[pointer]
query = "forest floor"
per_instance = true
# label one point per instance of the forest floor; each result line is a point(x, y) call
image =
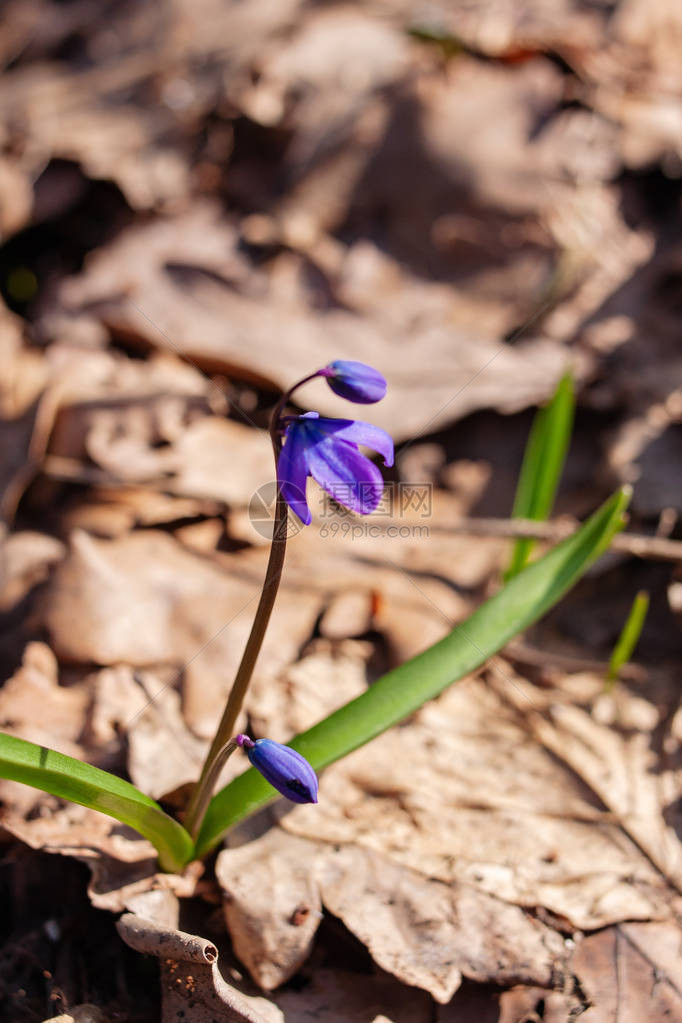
point(201, 202)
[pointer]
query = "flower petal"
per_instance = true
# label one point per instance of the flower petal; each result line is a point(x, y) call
point(357, 432)
point(349, 477)
point(292, 472)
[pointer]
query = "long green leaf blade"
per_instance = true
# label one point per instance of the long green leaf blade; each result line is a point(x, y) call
point(90, 786)
point(406, 688)
point(627, 641)
point(543, 463)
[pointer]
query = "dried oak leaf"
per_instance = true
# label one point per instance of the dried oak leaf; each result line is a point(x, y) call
point(145, 600)
point(144, 707)
point(631, 972)
point(467, 793)
point(612, 747)
point(426, 933)
point(633, 79)
point(25, 561)
point(207, 458)
point(272, 922)
point(35, 707)
point(442, 834)
point(209, 309)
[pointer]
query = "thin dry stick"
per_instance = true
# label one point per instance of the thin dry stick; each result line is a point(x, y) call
point(657, 548)
point(47, 407)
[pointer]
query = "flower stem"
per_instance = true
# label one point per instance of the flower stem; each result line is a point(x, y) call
point(220, 747)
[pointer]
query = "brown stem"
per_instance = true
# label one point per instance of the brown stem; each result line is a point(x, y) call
point(219, 751)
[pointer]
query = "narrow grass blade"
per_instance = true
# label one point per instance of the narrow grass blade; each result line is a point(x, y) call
point(543, 463)
point(82, 783)
point(629, 637)
point(403, 690)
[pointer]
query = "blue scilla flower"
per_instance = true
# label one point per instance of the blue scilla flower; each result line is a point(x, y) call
point(327, 450)
point(283, 767)
point(355, 381)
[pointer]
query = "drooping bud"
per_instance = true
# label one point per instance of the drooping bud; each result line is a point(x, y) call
point(355, 381)
point(283, 767)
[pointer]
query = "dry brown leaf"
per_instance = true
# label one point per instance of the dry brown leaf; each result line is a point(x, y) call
point(634, 78)
point(23, 372)
point(208, 458)
point(16, 199)
point(162, 754)
point(632, 972)
point(614, 751)
point(153, 400)
point(35, 707)
point(430, 934)
point(109, 512)
point(144, 599)
point(80, 116)
point(465, 794)
point(271, 903)
point(424, 932)
point(328, 675)
point(25, 561)
point(425, 832)
point(207, 317)
point(332, 63)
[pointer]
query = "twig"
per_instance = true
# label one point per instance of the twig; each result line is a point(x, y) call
point(517, 650)
point(657, 548)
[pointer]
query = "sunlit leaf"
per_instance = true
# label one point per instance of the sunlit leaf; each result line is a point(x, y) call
point(543, 463)
point(627, 641)
point(82, 783)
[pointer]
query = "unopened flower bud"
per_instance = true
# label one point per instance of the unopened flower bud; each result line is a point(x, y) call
point(355, 381)
point(283, 767)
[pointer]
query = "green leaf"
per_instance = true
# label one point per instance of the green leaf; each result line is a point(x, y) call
point(627, 641)
point(82, 783)
point(543, 463)
point(403, 690)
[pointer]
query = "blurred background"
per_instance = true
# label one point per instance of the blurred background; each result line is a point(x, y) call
point(203, 200)
point(200, 202)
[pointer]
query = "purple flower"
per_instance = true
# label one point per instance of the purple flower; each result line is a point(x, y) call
point(355, 381)
point(283, 767)
point(327, 450)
